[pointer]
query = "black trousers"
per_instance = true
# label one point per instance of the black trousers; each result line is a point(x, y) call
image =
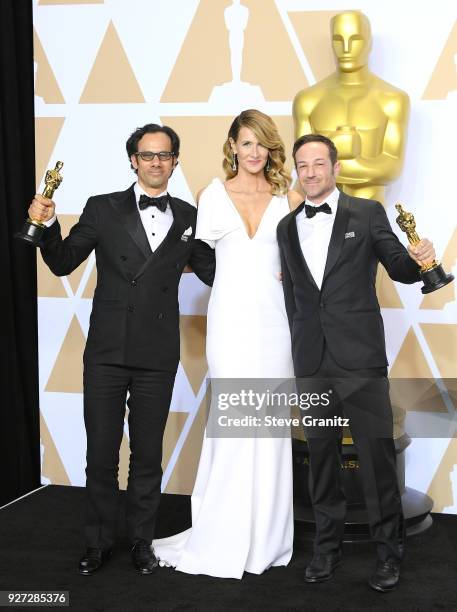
point(105, 393)
point(363, 397)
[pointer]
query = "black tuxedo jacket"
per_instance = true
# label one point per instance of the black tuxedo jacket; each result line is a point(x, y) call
point(135, 313)
point(344, 314)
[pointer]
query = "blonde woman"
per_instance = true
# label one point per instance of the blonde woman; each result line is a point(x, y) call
point(242, 516)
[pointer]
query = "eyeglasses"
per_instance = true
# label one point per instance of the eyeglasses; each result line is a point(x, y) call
point(149, 155)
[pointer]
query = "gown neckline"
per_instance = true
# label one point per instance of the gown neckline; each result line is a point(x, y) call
point(235, 208)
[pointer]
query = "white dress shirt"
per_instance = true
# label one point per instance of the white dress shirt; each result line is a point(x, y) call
point(314, 235)
point(155, 222)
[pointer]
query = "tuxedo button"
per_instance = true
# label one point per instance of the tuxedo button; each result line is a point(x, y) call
point(160, 315)
point(164, 289)
point(130, 308)
point(123, 258)
point(322, 305)
point(133, 283)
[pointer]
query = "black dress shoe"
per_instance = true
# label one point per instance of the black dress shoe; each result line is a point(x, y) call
point(386, 576)
point(143, 557)
point(322, 567)
point(93, 560)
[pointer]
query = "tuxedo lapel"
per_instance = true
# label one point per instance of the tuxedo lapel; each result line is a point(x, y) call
point(338, 231)
point(180, 223)
point(127, 209)
point(295, 242)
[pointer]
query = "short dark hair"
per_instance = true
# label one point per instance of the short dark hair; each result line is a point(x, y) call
point(333, 153)
point(151, 128)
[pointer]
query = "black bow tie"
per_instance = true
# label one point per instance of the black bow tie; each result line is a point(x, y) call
point(146, 201)
point(313, 210)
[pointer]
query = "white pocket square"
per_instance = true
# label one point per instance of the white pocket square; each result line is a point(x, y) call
point(349, 235)
point(187, 233)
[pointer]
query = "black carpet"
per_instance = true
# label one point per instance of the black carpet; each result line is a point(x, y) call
point(40, 544)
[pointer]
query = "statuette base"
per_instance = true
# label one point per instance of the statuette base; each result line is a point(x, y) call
point(435, 278)
point(31, 232)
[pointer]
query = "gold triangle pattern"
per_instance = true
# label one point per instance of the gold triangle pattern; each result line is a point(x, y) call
point(442, 340)
point(111, 80)
point(124, 461)
point(417, 391)
point(441, 489)
point(274, 67)
point(52, 466)
point(418, 395)
point(89, 289)
point(410, 361)
point(444, 77)
point(193, 341)
point(47, 131)
point(386, 291)
point(49, 285)
point(173, 429)
point(182, 479)
point(67, 374)
point(46, 85)
point(66, 223)
point(204, 55)
point(200, 165)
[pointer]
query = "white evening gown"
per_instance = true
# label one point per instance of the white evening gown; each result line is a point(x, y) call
point(242, 515)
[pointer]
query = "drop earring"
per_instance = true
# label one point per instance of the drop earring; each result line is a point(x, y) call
point(234, 162)
point(267, 167)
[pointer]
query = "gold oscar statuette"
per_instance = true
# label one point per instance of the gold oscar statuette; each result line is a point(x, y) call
point(32, 230)
point(432, 274)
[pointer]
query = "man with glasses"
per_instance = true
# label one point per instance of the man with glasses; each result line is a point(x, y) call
point(143, 238)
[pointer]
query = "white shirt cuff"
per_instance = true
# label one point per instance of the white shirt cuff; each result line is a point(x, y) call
point(50, 221)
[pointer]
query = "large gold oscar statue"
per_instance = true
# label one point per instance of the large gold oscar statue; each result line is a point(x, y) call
point(364, 116)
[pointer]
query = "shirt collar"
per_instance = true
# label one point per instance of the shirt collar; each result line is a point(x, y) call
point(332, 200)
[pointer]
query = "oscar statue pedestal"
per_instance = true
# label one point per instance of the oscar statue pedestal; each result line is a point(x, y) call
point(416, 506)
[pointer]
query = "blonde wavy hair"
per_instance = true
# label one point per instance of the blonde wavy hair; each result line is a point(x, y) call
point(268, 136)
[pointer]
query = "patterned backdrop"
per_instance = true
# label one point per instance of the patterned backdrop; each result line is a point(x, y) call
point(104, 67)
